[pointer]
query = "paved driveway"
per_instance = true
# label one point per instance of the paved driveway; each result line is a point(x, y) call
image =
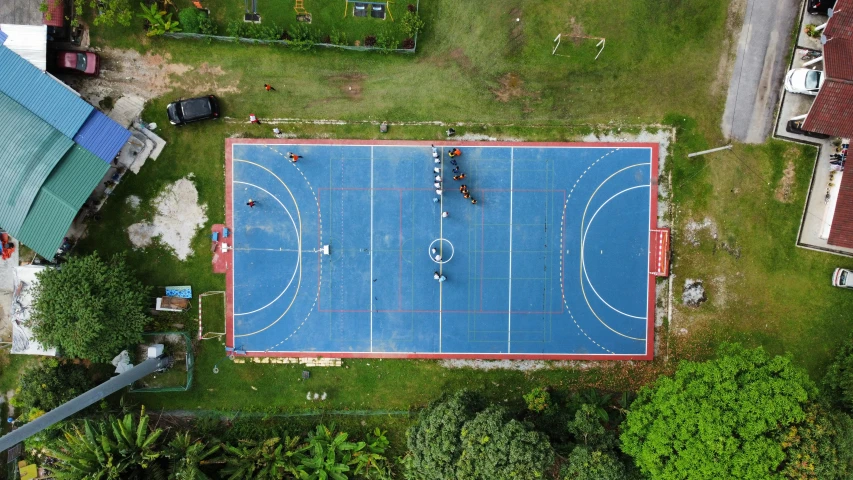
point(759, 69)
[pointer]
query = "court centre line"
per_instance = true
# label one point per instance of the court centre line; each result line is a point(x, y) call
point(441, 249)
point(270, 249)
point(371, 248)
point(509, 295)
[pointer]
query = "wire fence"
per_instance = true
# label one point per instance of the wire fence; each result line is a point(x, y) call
point(221, 38)
point(189, 360)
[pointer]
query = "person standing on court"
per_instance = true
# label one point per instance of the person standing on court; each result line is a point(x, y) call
point(293, 157)
point(251, 203)
point(461, 176)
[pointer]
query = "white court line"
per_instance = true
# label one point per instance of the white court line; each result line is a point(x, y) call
point(580, 272)
point(583, 251)
point(298, 243)
point(371, 248)
point(297, 236)
point(509, 295)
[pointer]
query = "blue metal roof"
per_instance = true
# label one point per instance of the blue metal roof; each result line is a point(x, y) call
point(41, 94)
point(102, 136)
point(3, 37)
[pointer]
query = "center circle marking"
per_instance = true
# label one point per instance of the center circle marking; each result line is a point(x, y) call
point(442, 241)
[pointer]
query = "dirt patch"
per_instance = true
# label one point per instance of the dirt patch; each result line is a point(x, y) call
point(783, 190)
point(350, 85)
point(511, 86)
point(127, 72)
point(178, 217)
point(576, 31)
point(516, 33)
point(458, 55)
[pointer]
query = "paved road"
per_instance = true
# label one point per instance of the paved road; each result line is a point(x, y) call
point(759, 69)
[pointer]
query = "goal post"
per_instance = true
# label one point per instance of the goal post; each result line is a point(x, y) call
point(214, 311)
point(558, 40)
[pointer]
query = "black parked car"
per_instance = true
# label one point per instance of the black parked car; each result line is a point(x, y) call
point(819, 6)
point(796, 127)
point(193, 110)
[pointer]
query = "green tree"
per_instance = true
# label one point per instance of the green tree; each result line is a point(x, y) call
point(588, 429)
point(90, 308)
point(538, 400)
point(186, 457)
point(111, 449)
point(433, 442)
point(586, 464)
point(718, 419)
point(267, 460)
point(49, 385)
point(820, 447)
point(496, 449)
point(838, 381)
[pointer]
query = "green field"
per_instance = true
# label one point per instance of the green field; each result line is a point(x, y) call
point(495, 76)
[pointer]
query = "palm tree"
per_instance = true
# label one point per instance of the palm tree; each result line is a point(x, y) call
point(112, 449)
point(270, 459)
point(187, 456)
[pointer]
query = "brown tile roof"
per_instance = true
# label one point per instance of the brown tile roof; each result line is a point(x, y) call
point(841, 232)
point(841, 23)
point(831, 111)
point(838, 58)
point(56, 12)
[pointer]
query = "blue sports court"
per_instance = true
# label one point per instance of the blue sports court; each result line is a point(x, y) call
point(338, 255)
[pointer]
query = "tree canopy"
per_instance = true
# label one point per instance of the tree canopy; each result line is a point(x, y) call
point(838, 381)
point(90, 308)
point(718, 419)
point(49, 385)
point(434, 443)
point(494, 448)
point(586, 464)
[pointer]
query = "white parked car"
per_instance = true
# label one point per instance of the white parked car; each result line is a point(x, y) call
point(842, 278)
point(804, 80)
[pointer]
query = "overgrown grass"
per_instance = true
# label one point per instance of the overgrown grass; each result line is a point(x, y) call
point(761, 288)
point(477, 63)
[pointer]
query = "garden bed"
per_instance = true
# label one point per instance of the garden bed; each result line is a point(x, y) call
point(321, 23)
point(178, 377)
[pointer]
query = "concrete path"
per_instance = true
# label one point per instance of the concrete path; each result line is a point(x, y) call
point(759, 69)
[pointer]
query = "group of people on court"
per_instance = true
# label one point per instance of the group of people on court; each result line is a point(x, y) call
point(458, 175)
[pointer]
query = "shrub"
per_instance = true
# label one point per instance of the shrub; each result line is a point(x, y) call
point(838, 381)
point(301, 36)
point(812, 31)
point(408, 44)
point(369, 41)
point(386, 40)
point(411, 24)
point(206, 25)
point(338, 37)
point(189, 19)
point(537, 400)
point(241, 29)
point(411, 7)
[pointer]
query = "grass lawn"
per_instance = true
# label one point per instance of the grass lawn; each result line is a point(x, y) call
point(477, 64)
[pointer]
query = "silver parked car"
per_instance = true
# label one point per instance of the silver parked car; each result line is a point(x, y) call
point(842, 278)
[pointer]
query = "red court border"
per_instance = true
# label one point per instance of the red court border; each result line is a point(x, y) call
point(229, 275)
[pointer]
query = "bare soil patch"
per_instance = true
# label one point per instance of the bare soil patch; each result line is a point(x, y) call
point(178, 218)
point(458, 55)
point(511, 86)
point(350, 85)
point(127, 72)
point(783, 190)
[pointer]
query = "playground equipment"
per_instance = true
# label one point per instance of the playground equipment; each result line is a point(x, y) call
point(300, 8)
point(368, 9)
